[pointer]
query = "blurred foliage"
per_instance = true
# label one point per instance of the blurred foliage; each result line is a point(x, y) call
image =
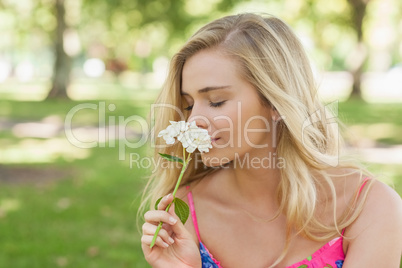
point(142, 29)
point(133, 30)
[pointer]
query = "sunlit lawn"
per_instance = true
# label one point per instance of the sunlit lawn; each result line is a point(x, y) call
point(85, 220)
point(72, 207)
point(376, 125)
point(84, 216)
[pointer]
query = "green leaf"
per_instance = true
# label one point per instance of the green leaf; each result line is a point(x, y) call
point(172, 158)
point(181, 209)
point(157, 203)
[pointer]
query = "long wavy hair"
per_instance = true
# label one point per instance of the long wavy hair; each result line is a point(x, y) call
point(272, 59)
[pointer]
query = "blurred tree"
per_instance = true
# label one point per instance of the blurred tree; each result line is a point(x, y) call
point(113, 29)
point(143, 25)
point(334, 25)
point(62, 64)
point(360, 53)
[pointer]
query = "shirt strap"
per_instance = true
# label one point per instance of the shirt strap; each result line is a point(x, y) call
point(193, 214)
point(365, 180)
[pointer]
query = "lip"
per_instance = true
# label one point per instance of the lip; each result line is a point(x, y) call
point(214, 139)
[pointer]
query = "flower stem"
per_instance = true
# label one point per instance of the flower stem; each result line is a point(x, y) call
point(183, 169)
point(184, 155)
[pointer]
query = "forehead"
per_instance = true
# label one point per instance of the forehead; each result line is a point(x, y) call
point(208, 68)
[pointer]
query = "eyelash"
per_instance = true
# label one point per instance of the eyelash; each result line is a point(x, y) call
point(211, 104)
point(216, 104)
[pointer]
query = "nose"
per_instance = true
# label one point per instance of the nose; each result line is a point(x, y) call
point(200, 119)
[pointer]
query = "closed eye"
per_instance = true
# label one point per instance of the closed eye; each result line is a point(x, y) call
point(189, 108)
point(211, 104)
point(216, 104)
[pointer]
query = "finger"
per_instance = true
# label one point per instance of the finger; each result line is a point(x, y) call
point(146, 241)
point(178, 228)
point(171, 210)
point(156, 216)
point(150, 229)
point(165, 201)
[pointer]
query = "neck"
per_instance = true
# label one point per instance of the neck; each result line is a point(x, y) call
point(255, 179)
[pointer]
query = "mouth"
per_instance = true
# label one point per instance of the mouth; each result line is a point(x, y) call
point(214, 139)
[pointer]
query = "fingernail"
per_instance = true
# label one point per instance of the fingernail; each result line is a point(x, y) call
point(171, 240)
point(165, 245)
point(172, 220)
point(167, 197)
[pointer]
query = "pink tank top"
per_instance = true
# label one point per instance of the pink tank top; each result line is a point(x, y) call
point(330, 255)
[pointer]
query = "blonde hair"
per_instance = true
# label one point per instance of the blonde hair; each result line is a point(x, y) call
point(272, 59)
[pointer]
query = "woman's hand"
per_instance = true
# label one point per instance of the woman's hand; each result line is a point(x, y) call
point(174, 246)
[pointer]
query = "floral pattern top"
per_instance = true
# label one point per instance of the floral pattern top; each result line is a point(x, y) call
point(207, 260)
point(329, 256)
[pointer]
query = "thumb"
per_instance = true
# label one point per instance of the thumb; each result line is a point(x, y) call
point(171, 209)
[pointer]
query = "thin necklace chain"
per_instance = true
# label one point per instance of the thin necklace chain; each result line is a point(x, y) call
point(259, 219)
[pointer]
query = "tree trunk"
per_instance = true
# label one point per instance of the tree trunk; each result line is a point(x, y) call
point(62, 65)
point(359, 54)
point(357, 59)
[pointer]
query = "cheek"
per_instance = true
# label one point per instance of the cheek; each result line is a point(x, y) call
point(255, 126)
point(225, 123)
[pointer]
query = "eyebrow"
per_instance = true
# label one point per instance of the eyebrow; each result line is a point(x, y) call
point(207, 89)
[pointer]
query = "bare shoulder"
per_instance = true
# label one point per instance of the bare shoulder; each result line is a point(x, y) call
point(379, 198)
point(383, 206)
point(381, 213)
point(377, 231)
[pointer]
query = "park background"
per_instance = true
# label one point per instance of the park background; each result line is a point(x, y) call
point(69, 198)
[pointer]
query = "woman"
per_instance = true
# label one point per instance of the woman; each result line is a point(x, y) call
point(273, 191)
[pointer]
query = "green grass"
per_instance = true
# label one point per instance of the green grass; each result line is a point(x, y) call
point(85, 216)
point(86, 219)
point(30, 110)
point(358, 112)
point(380, 122)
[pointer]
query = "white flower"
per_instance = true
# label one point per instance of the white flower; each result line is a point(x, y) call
point(172, 131)
point(189, 134)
